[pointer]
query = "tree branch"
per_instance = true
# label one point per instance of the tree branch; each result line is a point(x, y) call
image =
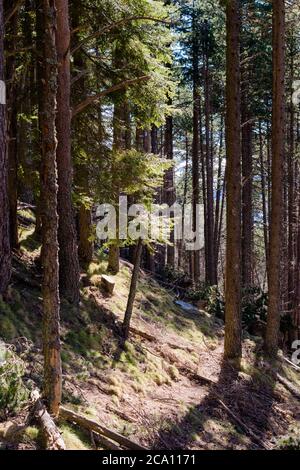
point(92, 99)
point(116, 25)
point(13, 11)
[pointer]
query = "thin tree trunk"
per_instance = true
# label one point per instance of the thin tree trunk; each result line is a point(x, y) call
point(195, 146)
point(247, 205)
point(133, 288)
point(169, 185)
point(211, 274)
point(49, 191)
point(264, 194)
point(218, 196)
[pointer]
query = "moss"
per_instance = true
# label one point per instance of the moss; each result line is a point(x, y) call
point(74, 438)
point(115, 390)
point(173, 373)
point(32, 433)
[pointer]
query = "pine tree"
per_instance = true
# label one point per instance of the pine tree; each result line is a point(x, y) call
point(233, 327)
point(49, 192)
point(67, 237)
point(278, 150)
point(5, 255)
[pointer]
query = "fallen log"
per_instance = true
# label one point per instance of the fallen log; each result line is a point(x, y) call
point(97, 428)
point(10, 431)
point(242, 425)
point(195, 377)
point(51, 434)
point(289, 386)
point(106, 443)
point(142, 334)
point(291, 363)
point(152, 339)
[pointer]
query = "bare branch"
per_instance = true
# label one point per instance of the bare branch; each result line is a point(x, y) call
point(13, 11)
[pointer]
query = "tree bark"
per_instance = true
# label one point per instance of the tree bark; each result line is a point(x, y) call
point(211, 274)
point(233, 330)
point(247, 206)
point(278, 134)
point(195, 146)
point(5, 254)
point(68, 252)
point(12, 130)
point(169, 185)
point(49, 191)
point(133, 288)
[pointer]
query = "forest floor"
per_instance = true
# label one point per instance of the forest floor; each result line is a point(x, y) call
point(166, 389)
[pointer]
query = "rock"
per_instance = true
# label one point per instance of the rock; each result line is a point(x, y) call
point(189, 308)
point(108, 284)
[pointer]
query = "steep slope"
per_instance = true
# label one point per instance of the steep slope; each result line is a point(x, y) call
point(166, 388)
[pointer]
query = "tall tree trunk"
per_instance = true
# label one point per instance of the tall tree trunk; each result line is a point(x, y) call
point(211, 274)
point(264, 194)
point(218, 196)
point(12, 131)
point(68, 252)
point(247, 205)
point(233, 329)
point(5, 255)
point(293, 198)
point(278, 134)
point(49, 191)
point(169, 185)
point(82, 176)
point(195, 146)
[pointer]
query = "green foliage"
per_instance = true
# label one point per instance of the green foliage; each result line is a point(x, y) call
point(13, 393)
point(135, 173)
point(177, 277)
point(290, 442)
point(254, 305)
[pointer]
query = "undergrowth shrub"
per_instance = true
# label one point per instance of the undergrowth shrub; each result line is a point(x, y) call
point(289, 442)
point(254, 305)
point(13, 392)
point(176, 277)
point(254, 302)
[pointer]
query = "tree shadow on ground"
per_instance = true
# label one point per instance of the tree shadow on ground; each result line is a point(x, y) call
point(250, 398)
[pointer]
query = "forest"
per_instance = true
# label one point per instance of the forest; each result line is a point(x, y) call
point(149, 225)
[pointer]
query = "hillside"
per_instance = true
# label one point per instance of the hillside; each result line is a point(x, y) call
point(166, 388)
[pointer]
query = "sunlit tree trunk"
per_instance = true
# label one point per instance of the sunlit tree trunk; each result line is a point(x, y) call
point(233, 329)
point(5, 255)
point(49, 191)
point(68, 252)
point(278, 136)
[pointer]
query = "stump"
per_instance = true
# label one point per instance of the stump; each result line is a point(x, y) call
point(108, 284)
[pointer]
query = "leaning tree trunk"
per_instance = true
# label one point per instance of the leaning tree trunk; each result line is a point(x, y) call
point(278, 135)
point(68, 252)
point(5, 255)
point(133, 287)
point(49, 191)
point(233, 329)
